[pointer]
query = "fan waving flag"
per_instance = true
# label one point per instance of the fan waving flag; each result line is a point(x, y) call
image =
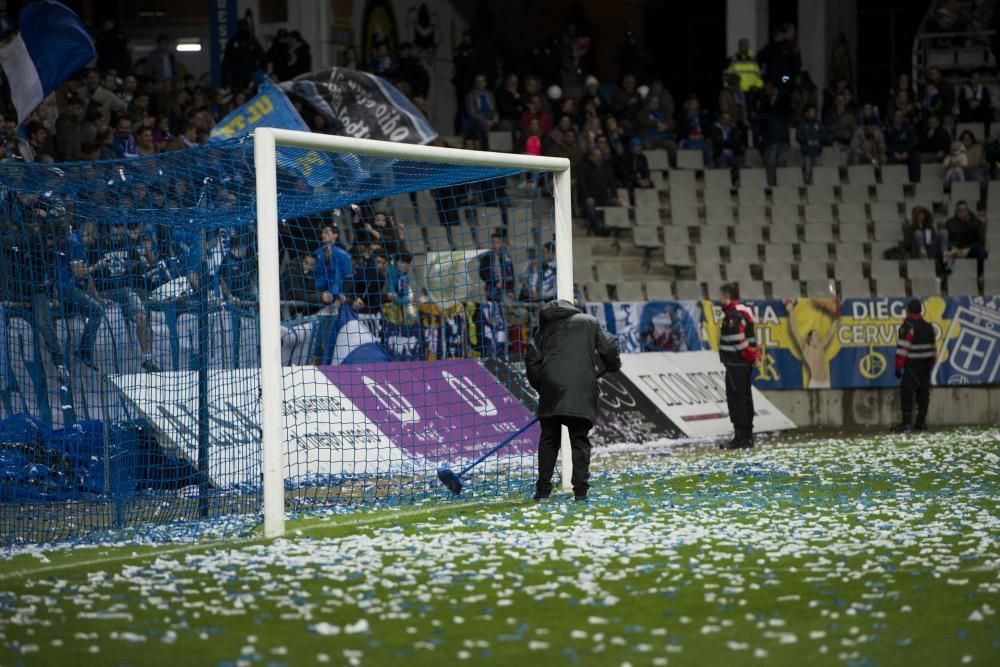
point(51, 45)
point(350, 341)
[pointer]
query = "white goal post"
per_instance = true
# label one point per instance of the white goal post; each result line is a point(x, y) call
point(266, 141)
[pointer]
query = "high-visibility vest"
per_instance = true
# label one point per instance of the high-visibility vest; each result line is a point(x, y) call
point(748, 70)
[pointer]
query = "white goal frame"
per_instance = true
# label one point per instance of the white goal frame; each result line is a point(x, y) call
point(266, 141)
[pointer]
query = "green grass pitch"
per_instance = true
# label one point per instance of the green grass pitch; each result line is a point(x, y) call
point(817, 551)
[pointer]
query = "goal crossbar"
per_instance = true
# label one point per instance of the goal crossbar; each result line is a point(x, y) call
point(266, 141)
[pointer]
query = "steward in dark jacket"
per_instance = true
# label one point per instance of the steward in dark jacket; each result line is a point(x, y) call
point(915, 352)
point(566, 355)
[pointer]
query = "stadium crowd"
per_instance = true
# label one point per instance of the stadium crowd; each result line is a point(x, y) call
point(124, 109)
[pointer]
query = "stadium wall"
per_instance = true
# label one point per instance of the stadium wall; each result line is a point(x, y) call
point(879, 407)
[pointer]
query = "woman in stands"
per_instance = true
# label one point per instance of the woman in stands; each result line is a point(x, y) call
point(925, 241)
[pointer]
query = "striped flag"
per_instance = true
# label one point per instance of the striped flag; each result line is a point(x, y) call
point(50, 46)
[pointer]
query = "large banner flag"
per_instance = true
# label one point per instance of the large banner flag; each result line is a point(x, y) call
point(362, 105)
point(350, 341)
point(272, 108)
point(51, 45)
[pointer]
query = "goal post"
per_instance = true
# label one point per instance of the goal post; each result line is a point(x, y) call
point(267, 144)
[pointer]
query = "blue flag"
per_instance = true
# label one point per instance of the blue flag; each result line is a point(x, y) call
point(272, 108)
point(350, 341)
point(52, 44)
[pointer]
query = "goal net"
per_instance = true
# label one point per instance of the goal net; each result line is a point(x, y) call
point(290, 319)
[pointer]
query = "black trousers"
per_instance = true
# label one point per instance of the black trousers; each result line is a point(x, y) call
point(548, 449)
point(916, 381)
point(739, 397)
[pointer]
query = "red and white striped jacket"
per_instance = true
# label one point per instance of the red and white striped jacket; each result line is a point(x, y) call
point(737, 338)
point(915, 345)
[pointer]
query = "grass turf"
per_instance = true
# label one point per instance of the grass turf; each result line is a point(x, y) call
point(858, 551)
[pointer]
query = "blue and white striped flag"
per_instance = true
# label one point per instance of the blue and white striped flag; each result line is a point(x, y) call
point(51, 45)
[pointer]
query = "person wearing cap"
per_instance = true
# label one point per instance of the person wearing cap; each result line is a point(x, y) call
point(915, 352)
point(566, 356)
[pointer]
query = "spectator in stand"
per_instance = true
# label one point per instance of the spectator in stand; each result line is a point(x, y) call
point(901, 96)
point(831, 110)
point(112, 49)
point(974, 104)
point(382, 63)
point(772, 121)
point(277, 56)
point(867, 145)
point(591, 94)
point(901, 145)
point(568, 147)
point(780, 60)
point(955, 162)
point(161, 64)
point(733, 100)
point(935, 142)
point(533, 87)
point(616, 140)
point(944, 88)
point(842, 122)
point(33, 146)
point(144, 142)
point(803, 94)
point(481, 110)
point(590, 133)
point(693, 128)
point(993, 159)
point(966, 238)
point(728, 144)
point(626, 103)
point(535, 111)
point(925, 240)
point(512, 105)
point(76, 290)
point(744, 66)
point(496, 271)
point(399, 290)
point(383, 233)
point(975, 165)
point(299, 55)
point(69, 130)
point(596, 186)
point(634, 167)
point(530, 279)
point(124, 143)
point(656, 129)
point(634, 58)
point(370, 277)
point(932, 103)
point(243, 56)
point(811, 137)
point(349, 58)
point(299, 293)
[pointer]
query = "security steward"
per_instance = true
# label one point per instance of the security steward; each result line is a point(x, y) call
point(566, 355)
point(739, 353)
point(915, 352)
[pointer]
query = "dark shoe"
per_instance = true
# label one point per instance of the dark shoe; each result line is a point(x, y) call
point(741, 443)
point(579, 499)
point(920, 426)
point(150, 366)
point(538, 497)
point(903, 428)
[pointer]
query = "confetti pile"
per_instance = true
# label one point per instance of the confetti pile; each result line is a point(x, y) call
point(857, 551)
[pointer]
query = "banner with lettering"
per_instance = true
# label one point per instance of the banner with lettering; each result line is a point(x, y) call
point(362, 105)
point(272, 108)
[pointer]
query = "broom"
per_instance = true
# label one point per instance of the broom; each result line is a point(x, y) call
point(453, 481)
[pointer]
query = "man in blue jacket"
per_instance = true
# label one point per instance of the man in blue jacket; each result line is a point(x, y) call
point(334, 275)
point(901, 145)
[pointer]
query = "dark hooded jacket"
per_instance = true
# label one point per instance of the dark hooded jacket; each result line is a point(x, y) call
point(566, 355)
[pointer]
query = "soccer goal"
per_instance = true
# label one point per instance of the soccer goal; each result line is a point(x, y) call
point(288, 319)
point(485, 260)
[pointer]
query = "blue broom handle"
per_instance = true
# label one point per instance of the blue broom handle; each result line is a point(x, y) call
point(510, 437)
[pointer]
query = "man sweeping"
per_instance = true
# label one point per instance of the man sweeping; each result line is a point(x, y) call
point(567, 354)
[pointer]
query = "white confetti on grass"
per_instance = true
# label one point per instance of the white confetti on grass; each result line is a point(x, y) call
point(498, 555)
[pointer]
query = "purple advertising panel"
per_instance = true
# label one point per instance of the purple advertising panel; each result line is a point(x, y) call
point(441, 411)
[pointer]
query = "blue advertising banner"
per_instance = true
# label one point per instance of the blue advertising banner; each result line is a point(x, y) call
point(822, 343)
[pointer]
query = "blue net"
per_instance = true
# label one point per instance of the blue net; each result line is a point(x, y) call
point(129, 360)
